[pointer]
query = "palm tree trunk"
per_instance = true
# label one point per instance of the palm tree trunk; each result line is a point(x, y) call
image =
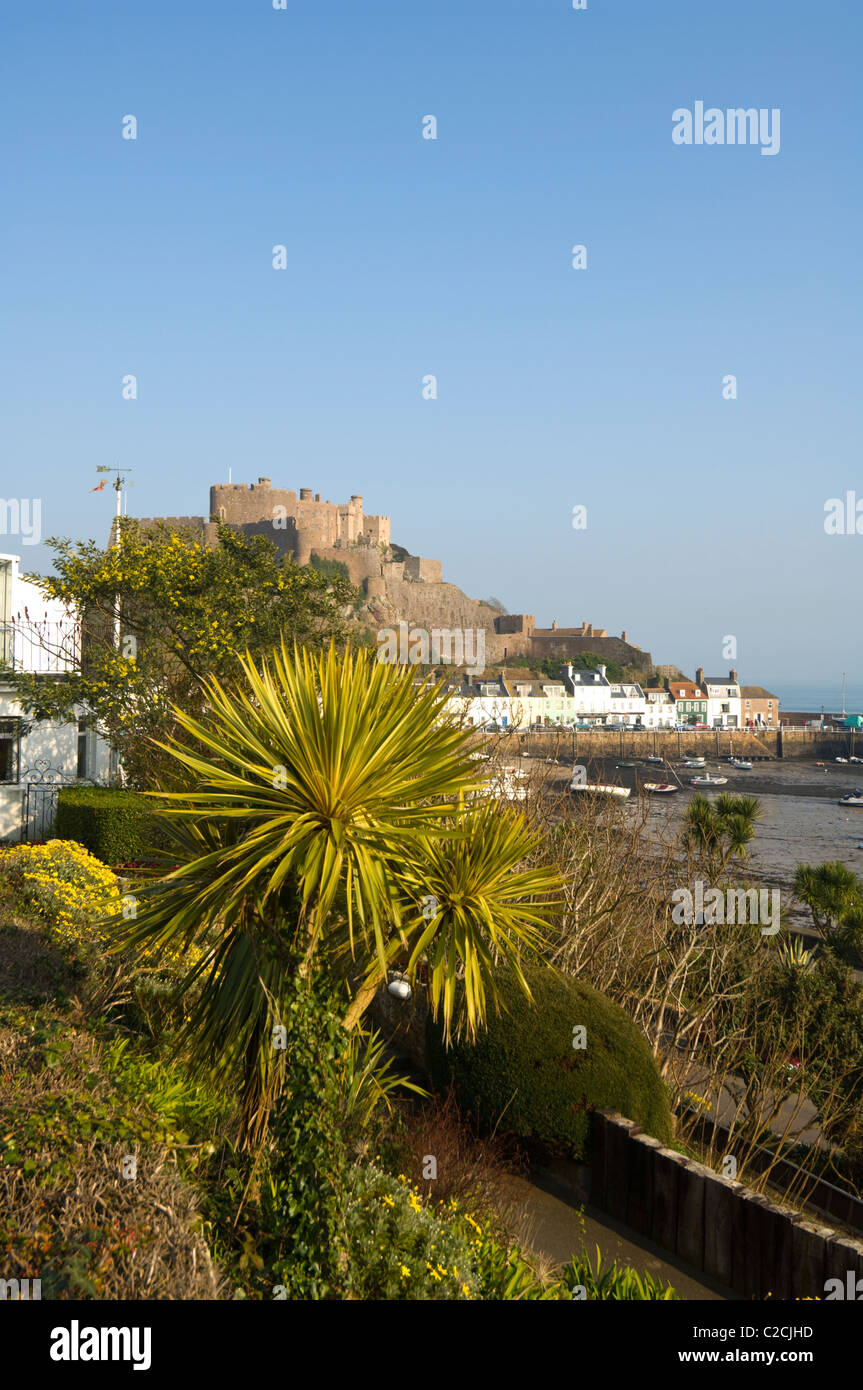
point(363, 997)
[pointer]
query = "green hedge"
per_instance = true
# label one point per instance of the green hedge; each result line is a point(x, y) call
point(118, 826)
point(524, 1075)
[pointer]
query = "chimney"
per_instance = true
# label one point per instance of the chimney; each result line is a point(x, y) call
point(699, 675)
point(602, 671)
point(623, 637)
point(554, 624)
point(733, 676)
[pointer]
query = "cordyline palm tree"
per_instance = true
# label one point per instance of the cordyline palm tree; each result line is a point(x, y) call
point(332, 811)
point(720, 829)
point(834, 896)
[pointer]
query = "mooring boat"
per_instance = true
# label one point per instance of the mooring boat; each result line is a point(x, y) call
point(840, 760)
point(660, 788)
point(654, 758)
point(708, 781)
point(599, 788)
point(742, 764)
point(691, 761)
point(852, 799)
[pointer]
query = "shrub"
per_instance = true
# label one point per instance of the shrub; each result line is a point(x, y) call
point(75, 898)
point(398, 1248)
point(117, 826)
point(473, 1169)
point(525, 1075)
point(70, 889)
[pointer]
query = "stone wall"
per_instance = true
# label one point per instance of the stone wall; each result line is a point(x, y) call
point(308, 522)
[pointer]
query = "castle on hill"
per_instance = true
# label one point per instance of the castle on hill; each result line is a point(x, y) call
point(396, 585)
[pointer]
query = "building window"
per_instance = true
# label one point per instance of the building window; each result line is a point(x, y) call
point(10, 750)
point(83, 749)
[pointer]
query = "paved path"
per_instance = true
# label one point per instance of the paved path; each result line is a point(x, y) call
point(560, 1231)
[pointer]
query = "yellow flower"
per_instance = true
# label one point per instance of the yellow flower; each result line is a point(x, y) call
point(404, 1272)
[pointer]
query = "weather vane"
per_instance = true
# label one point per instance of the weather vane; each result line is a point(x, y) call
point(120, 483)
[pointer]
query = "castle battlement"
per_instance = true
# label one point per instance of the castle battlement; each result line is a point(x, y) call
point(306, 522)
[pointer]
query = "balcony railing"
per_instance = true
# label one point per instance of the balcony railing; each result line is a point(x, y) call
point(48, 648)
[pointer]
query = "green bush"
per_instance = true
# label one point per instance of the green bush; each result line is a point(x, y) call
point(119, 827)
point(524, 1074)
point(400, 1249)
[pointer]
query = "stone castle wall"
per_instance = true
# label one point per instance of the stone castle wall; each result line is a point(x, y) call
point(396, 586)
point(305, 523)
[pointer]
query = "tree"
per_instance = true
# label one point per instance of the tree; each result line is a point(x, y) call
point(720, 830)
point(834, 896)
point(332, 815)
point(187, 613)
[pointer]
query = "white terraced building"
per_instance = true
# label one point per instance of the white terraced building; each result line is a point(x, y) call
point(36, 758)
point(524, 701)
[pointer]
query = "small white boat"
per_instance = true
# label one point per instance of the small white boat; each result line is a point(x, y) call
point(855, 760)
point(742, 763)
point(840, 760)
point(599, 788)
point(693, 762)
point(708, 781)
point(510, 783)
point(654, 759)
point(852, 799)
point(660, 788)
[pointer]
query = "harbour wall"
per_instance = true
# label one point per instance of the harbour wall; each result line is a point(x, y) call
point(810, 745)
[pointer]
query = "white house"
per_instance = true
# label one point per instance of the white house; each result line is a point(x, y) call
point(38, 635)
point(628, 705)
point(538, 701)
point(590, 692)
point(660, 706)
point(723, 699)
point(478, 703)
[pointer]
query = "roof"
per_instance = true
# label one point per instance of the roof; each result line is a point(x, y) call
point(757, 692)
point(591, 678)
point(535, 688)
point(686, 690)
point(720, 680)
point(477, 689)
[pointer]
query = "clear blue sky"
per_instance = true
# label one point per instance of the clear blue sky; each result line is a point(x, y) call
point(408, 256)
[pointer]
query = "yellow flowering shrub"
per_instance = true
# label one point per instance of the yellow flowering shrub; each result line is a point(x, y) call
point(73, 891)
point(76, 896)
